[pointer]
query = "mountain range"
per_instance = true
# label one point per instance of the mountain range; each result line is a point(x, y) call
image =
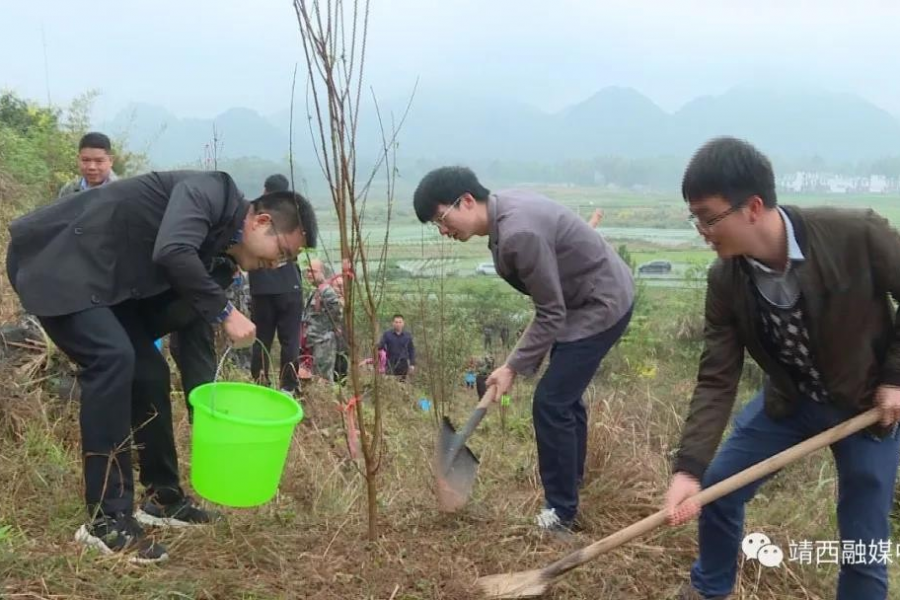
point(616, 121)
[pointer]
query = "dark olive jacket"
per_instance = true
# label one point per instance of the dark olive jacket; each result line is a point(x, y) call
point(851, 271)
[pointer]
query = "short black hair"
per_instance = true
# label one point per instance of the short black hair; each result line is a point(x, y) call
point(731, 168)
point(276, 183)
point(396, 316)
point(443, 186)
point(289, 212)
point(95, 139)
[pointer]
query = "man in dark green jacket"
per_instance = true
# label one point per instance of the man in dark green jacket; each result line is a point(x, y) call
point(807, 293)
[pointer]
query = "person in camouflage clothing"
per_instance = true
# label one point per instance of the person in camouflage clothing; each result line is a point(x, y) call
point(322, 318)
point(342, 348)
point(239, 295)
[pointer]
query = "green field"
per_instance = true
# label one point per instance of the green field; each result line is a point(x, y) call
point(650, 226)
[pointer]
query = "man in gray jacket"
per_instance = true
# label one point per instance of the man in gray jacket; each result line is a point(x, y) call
point(583, 294)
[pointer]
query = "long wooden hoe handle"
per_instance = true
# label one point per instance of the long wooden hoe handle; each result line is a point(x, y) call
point(723, 488)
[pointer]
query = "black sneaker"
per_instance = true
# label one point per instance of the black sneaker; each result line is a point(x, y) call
point(121, 533)
point(183, 512)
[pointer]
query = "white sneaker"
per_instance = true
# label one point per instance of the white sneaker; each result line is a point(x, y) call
point(548, 519)
point(549, 522)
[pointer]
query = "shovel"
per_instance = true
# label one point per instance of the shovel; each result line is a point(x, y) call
point(456, 465)
point(529, 584)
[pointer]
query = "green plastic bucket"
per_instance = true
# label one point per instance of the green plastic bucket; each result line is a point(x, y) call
point(240, 441)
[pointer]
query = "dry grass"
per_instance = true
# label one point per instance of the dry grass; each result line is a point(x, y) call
point(309, 542)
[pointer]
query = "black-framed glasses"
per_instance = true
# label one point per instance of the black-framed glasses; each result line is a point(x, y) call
point(707, 224)
point(439, 220)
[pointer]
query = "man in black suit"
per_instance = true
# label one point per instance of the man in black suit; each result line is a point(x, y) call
point(112, 269)
point(276, 303)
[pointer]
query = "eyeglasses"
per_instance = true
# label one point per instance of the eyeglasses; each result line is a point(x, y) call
point(286, 255)
point(439, 220)
point(707, 224)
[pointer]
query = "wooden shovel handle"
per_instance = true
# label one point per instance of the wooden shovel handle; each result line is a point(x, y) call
point(474, 420)
point(459, 440)
point(489, 395)
point(714, 492)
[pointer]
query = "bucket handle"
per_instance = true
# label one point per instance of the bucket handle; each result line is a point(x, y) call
point(212, 396)
point(221, 365)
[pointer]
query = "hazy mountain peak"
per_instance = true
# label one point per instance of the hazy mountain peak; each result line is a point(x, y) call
point(786, 120)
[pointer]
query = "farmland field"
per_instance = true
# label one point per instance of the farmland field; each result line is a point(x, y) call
point(650, 226)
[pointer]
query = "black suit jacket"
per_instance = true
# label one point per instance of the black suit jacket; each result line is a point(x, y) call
point(283, 280)
point(132, 238)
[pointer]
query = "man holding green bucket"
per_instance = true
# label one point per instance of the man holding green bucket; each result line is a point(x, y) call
point(110, 270)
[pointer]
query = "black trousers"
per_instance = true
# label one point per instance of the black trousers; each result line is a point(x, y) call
point(399, 369)
point(125, 399)
point(279, 313)
point(194, 350)
point(341, 363)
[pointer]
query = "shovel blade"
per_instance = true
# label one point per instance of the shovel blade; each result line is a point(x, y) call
point(456, 469)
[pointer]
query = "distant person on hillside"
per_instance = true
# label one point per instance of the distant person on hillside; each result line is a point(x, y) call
point(322, 319)
point(807, 293)
point(401, 352)
point(341, 346)
point(108, 271)
point(469, 378)
point(583, 295)
point(95, 163)
point(238, 293)
point(276, 304)
point(504, 336)
point(487, 333)
point(483, 369)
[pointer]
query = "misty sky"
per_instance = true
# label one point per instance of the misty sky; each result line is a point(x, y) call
point(200, 57)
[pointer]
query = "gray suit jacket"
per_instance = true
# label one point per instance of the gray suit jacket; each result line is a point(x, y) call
point(577, 281)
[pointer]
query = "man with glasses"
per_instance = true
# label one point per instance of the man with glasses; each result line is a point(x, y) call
point(582, 292)
point(111, 269)
point(807, 293)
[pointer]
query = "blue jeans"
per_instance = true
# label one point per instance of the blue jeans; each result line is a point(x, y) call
point(866, 468)
point(560, 419)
